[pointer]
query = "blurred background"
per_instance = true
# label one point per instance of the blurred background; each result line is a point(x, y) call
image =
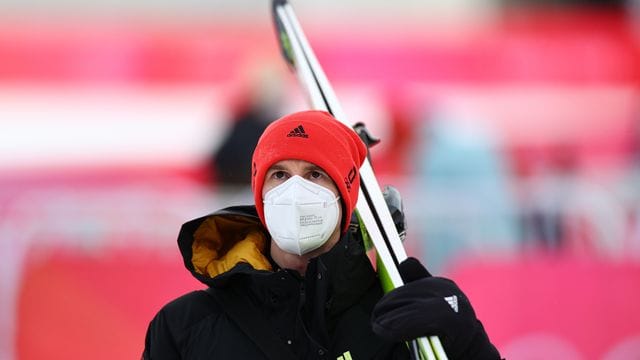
point(512, 129)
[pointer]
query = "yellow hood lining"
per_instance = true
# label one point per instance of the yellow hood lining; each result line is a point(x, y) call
point(221, 242)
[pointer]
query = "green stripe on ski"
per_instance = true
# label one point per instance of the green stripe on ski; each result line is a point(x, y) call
point(383, 274)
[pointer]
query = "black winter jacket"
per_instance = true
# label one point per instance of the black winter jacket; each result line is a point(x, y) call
point(323, 315)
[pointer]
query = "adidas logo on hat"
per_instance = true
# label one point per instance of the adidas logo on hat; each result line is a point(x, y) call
point(298, 132)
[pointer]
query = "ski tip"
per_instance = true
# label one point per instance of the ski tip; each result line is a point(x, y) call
point(282, 35)
point(276, 3)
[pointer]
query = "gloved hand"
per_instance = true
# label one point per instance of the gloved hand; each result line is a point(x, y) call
point(393, 199)
point(428, 305)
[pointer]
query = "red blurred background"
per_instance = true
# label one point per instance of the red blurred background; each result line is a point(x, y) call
point(514, 138)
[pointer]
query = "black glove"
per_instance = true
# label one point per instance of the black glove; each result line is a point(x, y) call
point(428, 305)
point(393, 199)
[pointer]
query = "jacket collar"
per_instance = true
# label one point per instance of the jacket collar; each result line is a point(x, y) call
point(233, 241)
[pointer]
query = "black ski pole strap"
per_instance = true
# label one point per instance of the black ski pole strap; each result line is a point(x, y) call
point(252, 323)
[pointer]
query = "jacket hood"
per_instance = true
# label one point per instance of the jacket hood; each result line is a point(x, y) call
point(227, 242)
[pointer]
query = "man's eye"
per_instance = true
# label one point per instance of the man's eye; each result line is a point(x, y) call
point(279, 175)
point(316, 174)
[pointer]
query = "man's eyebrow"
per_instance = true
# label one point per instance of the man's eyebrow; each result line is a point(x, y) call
point(313, 168)
point(310, 167)
point(276, 167)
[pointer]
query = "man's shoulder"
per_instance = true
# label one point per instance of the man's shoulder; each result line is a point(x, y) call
point(193, 302)
point(195, 326)
point(189, 309)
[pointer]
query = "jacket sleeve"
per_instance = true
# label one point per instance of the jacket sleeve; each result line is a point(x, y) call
point(159, 343)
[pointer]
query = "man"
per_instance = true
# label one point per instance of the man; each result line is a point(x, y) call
point(286, 279)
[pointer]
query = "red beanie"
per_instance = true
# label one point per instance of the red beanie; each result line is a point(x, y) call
point(316, 137)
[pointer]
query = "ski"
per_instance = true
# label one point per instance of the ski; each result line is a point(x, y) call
point(371, 207)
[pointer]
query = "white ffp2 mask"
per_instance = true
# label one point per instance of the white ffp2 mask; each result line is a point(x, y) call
point(300, 215)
